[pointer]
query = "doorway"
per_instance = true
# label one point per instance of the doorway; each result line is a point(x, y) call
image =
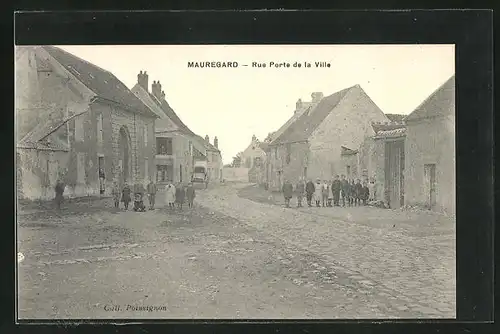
point(102, 177)
point(430, 185)
point(394, 169)
point(180, 173)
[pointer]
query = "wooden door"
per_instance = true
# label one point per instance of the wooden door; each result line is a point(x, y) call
point(430, 185)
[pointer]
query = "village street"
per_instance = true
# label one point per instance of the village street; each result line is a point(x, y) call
point(237, 254)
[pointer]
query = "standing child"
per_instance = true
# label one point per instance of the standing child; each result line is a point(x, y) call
point(358, 192)
point(126, 195)
point(324, 193)
point(365, 192)
point(59, 190)
point(371, 188)
point(190, 194)
point(330, 193)
point(116, 194)
point(300, 189)
point(352, 192)
point(310, 189)
point(170, 195)
point(318, 194)
point(180, 193)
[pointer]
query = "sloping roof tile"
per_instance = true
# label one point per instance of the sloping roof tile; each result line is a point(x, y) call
point(438, 103)
point(103, 83)
point(395, 117)
point(305, 125)
point(394, 133)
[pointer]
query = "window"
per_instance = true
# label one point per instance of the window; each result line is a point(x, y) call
point(209, 156)
point(257, 162)
point(288, 153)
point(164, 146)
point(190, 148)
point(145, 135)
point(348, 171)
point(79, 128)
point(99, 129)
point(164, 173)
point(276, 153)
point(146, 169)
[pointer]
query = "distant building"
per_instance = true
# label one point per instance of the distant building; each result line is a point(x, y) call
point(312, 144)
point(77, 122)
point(430, 151)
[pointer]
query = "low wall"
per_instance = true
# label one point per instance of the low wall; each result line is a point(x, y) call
point(235, 174)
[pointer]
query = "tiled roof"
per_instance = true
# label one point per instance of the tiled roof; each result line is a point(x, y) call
point(305, 125)
point(51, 125)
point(43, 146)
point(439, 103)
point(264, 146)
point(395, 133)
point(103, 83)
point(385, 126)
point(395, 117)
point(347, 151)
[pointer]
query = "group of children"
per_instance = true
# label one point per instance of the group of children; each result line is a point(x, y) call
point(331, 193)
point(174, 194)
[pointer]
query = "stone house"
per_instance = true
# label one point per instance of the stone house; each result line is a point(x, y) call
point(312, 145)
point(430, 151)
point(253, 158)
point(78, 122)
point(177, 147)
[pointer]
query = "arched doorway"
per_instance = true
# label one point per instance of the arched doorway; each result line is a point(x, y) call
point(125, 156)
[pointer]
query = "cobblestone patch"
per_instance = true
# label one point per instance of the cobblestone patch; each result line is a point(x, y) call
point(401, 263)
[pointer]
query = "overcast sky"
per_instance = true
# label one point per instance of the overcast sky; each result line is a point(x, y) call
point(233, 104)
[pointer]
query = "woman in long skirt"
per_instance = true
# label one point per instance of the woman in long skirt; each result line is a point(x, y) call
point(126, 195)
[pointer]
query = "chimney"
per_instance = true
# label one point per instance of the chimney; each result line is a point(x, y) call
point(207, 139)
point(316, 97)
point(298, 105)
point(162, 94)
point(142, 80)
point(156, 89)
point(254, 139)
point(216, 142)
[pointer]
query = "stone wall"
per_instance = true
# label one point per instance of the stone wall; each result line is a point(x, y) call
point(431, 141)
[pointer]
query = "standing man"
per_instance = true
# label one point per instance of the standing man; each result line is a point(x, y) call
point(102, 178)
point(287, 192)
point(151, 194)
point(300, 189)
point(344, 187)
point(310, 189)
point(336, 187)
point(190, 194)
point(59, 189)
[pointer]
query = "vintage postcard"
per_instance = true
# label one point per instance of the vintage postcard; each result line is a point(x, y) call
point(235, 181)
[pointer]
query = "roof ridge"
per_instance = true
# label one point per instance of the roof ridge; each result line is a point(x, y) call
point(430, 96)
point(81, 59)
